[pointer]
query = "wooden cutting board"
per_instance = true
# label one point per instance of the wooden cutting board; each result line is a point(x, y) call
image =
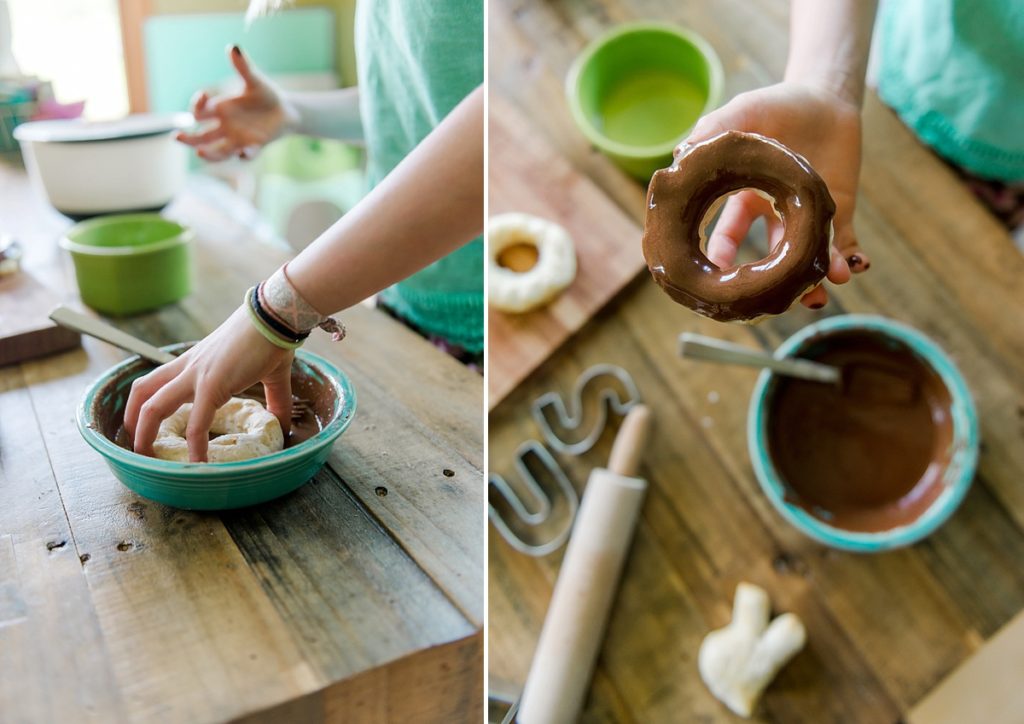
point(527, 175)
point(988, 687)
point(25, 330)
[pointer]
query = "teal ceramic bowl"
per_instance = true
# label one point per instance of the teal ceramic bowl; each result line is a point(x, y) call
point(130, 263)
point(636, 92)
point(217, 486)
point(956, 479)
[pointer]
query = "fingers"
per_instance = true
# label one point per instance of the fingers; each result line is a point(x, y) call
point(741, 210)
point(144, 388)
point(201, 139)
point(201, 108)
point(217, 151)
point(241, 64)
point(158, 408)
point(277, 388)
point(197, 433)
point(816, 298)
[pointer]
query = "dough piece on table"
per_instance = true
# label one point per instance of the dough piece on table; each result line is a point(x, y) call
point(738, 662)
point(554, 270)
point(244, 429)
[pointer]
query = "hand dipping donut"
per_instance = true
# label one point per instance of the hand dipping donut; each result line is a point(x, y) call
point(683, 197)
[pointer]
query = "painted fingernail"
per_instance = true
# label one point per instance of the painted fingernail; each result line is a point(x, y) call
point(818, 305)
point(236, 50)
point(854, 261)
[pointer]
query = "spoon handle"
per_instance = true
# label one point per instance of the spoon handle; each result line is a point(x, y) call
point(696, 346)
point(67, 317)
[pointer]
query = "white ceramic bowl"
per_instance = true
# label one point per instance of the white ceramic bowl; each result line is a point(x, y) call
point(87, 168)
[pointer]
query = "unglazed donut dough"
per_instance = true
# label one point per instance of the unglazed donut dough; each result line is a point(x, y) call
point(512, 291)
point(245, 430)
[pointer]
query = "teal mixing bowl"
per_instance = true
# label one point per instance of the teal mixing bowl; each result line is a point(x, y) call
point(217, 486)
point(964, 447)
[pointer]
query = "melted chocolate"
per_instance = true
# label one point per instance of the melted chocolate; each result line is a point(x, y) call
point(680, 197)
point(868, 455)
point(318, 399)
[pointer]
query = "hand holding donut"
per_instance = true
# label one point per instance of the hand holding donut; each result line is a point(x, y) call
point(239, 124)
point(822, 127)
point(229, 360)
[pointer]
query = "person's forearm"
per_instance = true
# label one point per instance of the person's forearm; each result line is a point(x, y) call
point(326, 114)
point(829, 41)
point(429, 205)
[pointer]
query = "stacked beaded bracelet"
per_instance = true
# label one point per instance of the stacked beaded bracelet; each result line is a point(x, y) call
point(282, 316)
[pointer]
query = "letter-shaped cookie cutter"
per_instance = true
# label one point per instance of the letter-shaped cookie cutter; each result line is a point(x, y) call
point(571, 417)
point(540, 498)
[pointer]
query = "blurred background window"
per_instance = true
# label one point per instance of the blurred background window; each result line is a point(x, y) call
point(76, 45)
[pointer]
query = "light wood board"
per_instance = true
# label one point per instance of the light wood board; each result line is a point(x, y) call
point(526, 175)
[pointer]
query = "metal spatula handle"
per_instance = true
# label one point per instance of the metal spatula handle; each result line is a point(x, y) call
point(67, 317)
point(696, 346)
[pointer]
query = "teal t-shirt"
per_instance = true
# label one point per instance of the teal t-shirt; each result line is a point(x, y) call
point(954, 72)
point(417, 61)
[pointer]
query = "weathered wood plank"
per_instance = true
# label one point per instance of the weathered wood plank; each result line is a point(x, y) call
point(52, 653)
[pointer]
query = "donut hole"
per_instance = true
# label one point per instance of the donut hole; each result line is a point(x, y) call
point(520, 255)
point(756, 244)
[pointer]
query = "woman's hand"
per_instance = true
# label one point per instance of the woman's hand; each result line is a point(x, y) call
point(820, 125)
point(239, 124)
point(227, 362)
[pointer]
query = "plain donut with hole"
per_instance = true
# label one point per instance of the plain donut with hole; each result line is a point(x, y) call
point(520, 291)
point(244, 430)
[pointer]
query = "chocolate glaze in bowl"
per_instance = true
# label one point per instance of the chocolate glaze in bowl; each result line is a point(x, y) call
point(878, 462)
point(218, 486)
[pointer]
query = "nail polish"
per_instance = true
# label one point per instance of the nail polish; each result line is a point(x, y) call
point(818, 305)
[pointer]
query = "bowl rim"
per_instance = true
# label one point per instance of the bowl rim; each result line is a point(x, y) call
point(963, 461)
point(716, 75)
point(108, 449)
point(184, 235)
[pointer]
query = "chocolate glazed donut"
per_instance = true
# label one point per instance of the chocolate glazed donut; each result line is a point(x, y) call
point(680, 198)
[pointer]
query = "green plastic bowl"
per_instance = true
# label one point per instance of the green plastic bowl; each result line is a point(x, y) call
point(958, 474)
point(636, 92)
point(130, 263)
point(215, 486)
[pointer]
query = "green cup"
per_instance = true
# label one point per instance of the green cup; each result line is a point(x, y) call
point(637, 91)
point(130, 263)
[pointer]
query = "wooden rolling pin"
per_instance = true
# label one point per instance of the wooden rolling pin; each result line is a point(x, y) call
point(574, 627)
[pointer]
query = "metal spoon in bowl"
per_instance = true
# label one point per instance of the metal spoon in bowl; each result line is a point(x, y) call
point(67, 317)
point(696, 346)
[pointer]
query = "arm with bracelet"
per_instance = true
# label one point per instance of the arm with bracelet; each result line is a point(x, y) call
point(428, 206)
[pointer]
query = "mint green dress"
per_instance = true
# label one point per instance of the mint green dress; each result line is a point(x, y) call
point(954, 72)
point(417, 61)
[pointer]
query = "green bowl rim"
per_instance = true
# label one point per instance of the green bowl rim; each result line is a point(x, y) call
point(963, 462)
point(716, 75)
point(118, 454)
point(183, 236)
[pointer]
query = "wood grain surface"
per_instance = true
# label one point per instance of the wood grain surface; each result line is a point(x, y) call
point(528, 176)
point(357, 598)
point(883, 629)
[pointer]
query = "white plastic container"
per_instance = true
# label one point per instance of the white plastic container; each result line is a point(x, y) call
point(88, 169)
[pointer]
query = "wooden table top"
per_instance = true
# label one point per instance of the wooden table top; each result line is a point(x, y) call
point(883, 629)
point(357, 598)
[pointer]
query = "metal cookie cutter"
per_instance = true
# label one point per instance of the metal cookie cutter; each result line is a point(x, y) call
point(541, 501)
point(571, 418)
